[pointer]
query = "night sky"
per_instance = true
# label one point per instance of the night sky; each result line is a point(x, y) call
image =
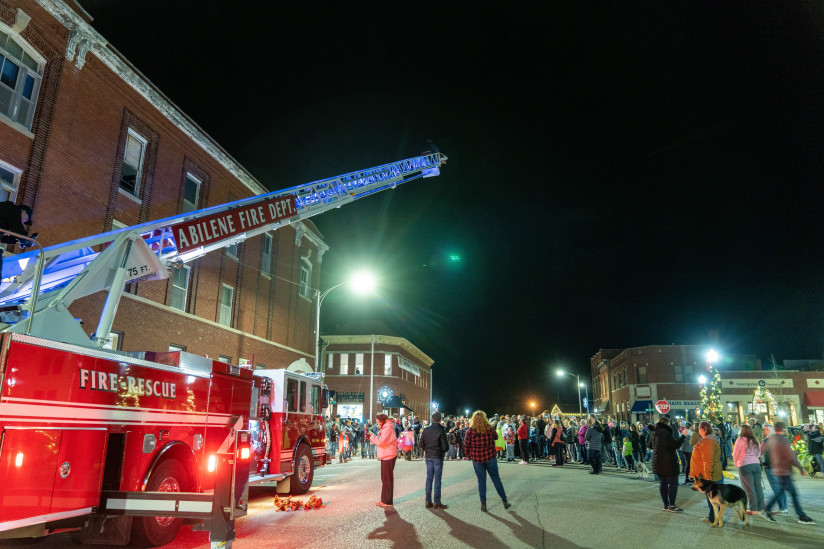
point(617, 176)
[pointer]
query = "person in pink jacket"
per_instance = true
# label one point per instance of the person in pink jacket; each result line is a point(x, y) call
point(746, 455)
point(582, 443)
point(386, 442)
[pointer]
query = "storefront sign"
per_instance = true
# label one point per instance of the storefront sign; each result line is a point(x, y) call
point(754, 383)
point(684, 404)
point(349, 397)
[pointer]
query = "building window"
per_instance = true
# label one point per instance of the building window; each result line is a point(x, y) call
point(231, 250)
point(113, 341)
point(331, 362)
point(9, 179)
point(227, 295)
point(679, 374)
point(344, 365)
point(176, 348)
point(266, 255)
point(133, 157)
point(20, 76)
point(642, 374)
point(305, 278)
point(180, 287)
point(358, 364)
point(387, 365)
point(191, 193)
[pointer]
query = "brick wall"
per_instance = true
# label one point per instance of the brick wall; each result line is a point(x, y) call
point(71, 167)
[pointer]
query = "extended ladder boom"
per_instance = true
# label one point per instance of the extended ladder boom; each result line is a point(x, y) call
point(73, 269)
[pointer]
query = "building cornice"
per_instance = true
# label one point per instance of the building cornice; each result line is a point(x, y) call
point(381, 339)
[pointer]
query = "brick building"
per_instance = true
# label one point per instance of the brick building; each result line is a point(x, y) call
point(398, 364)
point(628, 382)
point(93, 146)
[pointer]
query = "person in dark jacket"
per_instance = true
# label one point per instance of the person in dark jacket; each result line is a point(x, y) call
point(665, 462)
point(434, 445)
point(17, 219)
point(594, 439)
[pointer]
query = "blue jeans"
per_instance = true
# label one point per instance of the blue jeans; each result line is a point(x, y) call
point(434, 469)
point(711, 516)
point(773, 480)
point(785, 484)
point(491, 467)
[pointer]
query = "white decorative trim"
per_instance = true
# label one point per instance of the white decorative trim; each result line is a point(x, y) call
point(301, 230)
point(112, 59)
point(21, 21)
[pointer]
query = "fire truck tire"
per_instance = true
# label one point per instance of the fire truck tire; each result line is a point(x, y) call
point(170, 476)
point(304, 471)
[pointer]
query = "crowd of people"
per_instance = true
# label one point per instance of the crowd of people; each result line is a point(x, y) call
point(672, 448)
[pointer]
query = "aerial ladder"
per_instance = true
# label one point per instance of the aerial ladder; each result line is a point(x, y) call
point(41, 284)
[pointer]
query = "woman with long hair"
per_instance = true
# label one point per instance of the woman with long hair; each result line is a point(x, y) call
point(387, 454)
point(556, 440)
point(747, 457)
point(479, 445)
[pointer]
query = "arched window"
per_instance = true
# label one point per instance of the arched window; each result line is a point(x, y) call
point(20, 76)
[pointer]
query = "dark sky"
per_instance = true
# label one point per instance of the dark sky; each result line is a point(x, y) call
point(617, 176)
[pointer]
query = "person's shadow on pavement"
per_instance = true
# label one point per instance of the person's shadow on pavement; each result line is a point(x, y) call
point(398, 531)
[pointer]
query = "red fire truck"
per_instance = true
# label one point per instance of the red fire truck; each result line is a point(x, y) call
point(127, 445)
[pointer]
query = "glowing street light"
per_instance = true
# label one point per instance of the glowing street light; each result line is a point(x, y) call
point(362, 282)
point(533, 408)
point(712, 356)
point(702, 380)
point(562, 373)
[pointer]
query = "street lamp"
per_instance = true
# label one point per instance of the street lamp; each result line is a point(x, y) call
point(533, 408)
point(362, 282)
point(562, 373)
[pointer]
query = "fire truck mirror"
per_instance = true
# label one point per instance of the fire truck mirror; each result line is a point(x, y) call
point(325, 402)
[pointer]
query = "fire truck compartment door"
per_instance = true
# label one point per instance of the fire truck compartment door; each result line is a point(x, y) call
point(27, 463)
point(47, 471)
point(79, 470)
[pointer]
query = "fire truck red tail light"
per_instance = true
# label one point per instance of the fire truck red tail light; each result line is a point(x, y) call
point(18, 459)
point(244, 453)
point(212, 463)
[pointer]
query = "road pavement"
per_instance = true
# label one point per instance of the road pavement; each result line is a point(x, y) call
point(552, 508)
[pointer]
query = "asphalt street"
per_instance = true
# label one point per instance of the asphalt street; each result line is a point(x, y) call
point(552, 507)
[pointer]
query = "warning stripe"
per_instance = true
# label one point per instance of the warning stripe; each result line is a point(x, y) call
point(29, 413)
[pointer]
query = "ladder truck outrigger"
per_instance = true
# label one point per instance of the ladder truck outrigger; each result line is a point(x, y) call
point(128, 445)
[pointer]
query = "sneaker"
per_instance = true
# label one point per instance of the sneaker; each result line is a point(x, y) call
point(674, 509)
point(769, 516)
point(751, 512)
point(522, 463)
point(805, 520)
point(784, 513)
point(507, 505)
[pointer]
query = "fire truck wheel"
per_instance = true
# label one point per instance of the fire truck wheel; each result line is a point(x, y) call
point(170, 476)
point(304, 471)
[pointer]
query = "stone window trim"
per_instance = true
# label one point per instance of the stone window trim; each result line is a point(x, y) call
point(190, 167)
point(41, 126)
point(146, 183)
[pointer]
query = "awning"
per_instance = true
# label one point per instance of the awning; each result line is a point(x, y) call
point(395, 402)
point(815, 399)
point(605, 406)
point(642, 407)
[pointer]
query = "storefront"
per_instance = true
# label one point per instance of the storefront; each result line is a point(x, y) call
point(815, 406)
point(350, 405)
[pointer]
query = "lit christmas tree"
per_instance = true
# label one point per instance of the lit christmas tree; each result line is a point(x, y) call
point(711, 397)
point(763, 396)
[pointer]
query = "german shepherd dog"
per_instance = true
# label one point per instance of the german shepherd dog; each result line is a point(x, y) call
point(722, 496)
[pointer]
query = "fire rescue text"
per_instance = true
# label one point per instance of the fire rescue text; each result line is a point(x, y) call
point(112, 382)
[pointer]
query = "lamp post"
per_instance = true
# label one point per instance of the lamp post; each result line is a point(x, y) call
point(562, 373)
point(363, 281)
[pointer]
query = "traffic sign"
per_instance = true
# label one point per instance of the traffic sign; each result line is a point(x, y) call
point(662, 406)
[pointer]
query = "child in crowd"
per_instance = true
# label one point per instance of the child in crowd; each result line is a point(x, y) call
point(450, 439)
point(628, 454)
point(408, 443)
point(509, 437)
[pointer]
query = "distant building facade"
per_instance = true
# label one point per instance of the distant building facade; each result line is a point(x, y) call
point(356, 367)
point(93, 146)
point(628, 382)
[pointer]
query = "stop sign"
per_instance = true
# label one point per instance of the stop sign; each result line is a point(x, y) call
point(662, 406)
